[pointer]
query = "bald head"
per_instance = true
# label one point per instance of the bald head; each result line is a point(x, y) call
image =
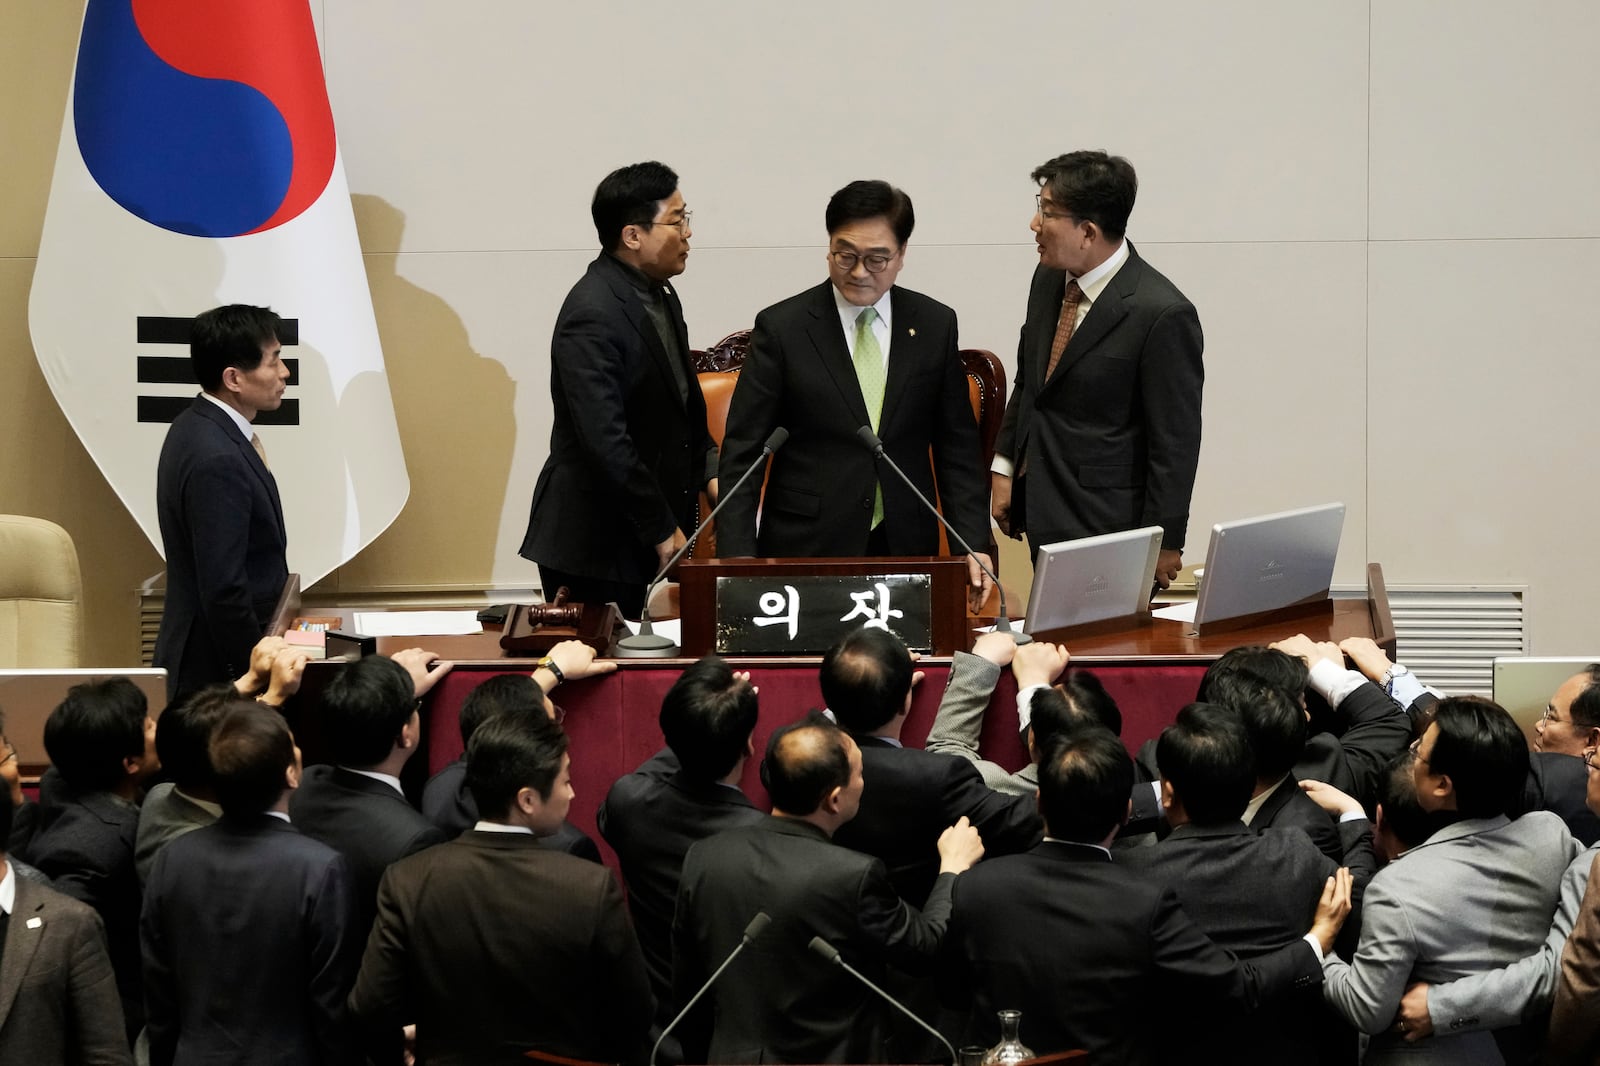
point(811, 766)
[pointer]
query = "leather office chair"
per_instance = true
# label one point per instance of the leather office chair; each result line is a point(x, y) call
point(41, 595)
point(718, 370)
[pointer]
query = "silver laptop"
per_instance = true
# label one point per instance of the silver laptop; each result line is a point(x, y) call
point(1270, 562)
point(1092, 579)
point(1523, 685)
point(28, 696)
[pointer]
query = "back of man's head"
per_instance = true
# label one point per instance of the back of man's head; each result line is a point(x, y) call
point(1282, 671)
point(707, 717)
point(514, 694)
point(630, 196)
point(1274, 722)
point(1205, 756)
point(1085, 778)
point(183, 734)
point(252, 752)
point(98, 726)
point(230, 336)
point(861, 201)
point(866, 678)
point(364, 708)
point(1402, 817)
point(1585, 709)
point(511, 752)
point(1483, 752)
point(1092, 186)
point(1079, 700)
point(805, 761)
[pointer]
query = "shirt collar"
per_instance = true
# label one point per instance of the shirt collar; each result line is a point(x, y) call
point(1253, 808)
point(278, 814)
point(1095, 281)
point(238, 419)
point(849, 312)
point(1079, 844)
point(388, 779)
point(8, 888)
point(501, 827)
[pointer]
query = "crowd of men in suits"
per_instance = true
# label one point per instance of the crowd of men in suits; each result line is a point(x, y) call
point(1312, 863)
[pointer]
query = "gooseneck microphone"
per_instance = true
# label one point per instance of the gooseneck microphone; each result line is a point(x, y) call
point(647, 643)
point(831, 954)
point(751, 931)
point(1002, 624)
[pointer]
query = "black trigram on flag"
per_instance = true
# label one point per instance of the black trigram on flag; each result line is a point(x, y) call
point(175, 370)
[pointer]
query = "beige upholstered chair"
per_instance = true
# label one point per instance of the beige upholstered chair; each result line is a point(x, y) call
point(41, 595)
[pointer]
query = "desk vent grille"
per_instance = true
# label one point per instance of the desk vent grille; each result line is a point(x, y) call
point(1451, 635)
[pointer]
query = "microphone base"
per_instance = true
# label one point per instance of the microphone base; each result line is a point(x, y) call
point(647, 646)
point(1018, 637)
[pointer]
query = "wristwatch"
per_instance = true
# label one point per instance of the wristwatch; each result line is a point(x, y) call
point(1394, 671)
point(549, 663)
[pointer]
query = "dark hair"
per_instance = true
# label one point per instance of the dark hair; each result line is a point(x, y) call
point(1085, 778)
point(1397, 795)
point(511, 752)
point(1205, 756)
point(1093, 186)
point(500, 694)
point(230, 336)
point(251, 752)
point(364, 708)
point(1089, 697)
point(183, 734)
point(1284, 672)
point(1585, 711)
point(95, 728)
point(1483, 752)
point(7, 815)
point(707, 718)
point(1275, 722)
point(805, 761)
point(863, 200)
point(630, 196)
point(865, 679)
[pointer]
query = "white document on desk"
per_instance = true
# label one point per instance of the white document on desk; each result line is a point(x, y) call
point(1176, 612)
point(416, 623)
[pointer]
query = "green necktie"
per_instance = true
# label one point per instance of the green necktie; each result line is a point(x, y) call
point(869, 372)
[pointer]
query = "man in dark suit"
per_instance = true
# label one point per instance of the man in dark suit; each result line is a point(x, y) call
point(911, 795)
point(248, 927)
point(102, 743)
point(687, 792)
point(493, 945)
point(222, 529)
point(855, 351)
point(629, 448)
point(447, 801)
point(1103, 429)
point(781, 1002)
point(1251, 893)
point(1089, 949)
point(58, 998)
point(186, 800)
point(372, 727)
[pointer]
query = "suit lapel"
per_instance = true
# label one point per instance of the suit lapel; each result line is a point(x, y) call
point(21, 943)
point(905, 349)
point(209, 410)
point(633, 309)
point(827, 337)
point(1104, 314)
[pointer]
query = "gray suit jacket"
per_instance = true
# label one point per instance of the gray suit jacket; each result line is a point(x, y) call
point(165, 815)
point(1476, 895)
point(58, 999)
point(959, 723)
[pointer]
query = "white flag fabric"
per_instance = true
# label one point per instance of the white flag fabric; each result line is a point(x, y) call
point(197, 167)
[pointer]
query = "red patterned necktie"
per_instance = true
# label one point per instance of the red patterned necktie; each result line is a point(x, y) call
point(1064, 325)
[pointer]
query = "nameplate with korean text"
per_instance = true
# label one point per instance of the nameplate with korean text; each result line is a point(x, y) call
point(808, 615)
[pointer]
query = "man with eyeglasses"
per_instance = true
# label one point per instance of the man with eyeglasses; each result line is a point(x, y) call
point(629, 447)
point(1102, 433)
point(856, 351)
